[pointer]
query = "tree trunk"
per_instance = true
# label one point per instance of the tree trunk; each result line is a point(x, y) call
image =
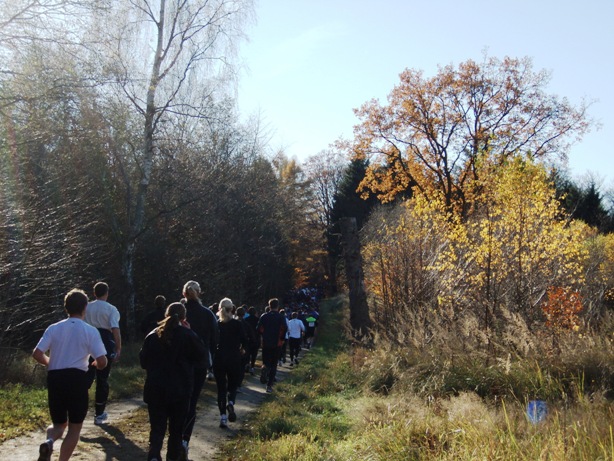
point(129, 299)
point(138, 219)
point(360, 321)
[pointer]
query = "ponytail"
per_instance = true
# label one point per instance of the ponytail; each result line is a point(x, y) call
point(175, 313)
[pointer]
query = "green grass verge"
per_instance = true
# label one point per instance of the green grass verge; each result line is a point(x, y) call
point(22, 408)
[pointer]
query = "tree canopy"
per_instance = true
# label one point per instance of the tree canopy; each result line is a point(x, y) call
point(434, 133)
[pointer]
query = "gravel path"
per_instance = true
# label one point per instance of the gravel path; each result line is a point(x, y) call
point(125, 436)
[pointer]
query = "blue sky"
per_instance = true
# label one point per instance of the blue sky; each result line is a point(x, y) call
point(309, 63)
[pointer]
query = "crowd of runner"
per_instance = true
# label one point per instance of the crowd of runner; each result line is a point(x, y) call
point(185, 343)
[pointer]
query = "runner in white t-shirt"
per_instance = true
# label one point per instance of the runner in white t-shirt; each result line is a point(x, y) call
point(296, 329)
point(70, 343)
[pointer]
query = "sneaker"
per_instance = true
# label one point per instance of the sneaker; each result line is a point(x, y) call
point(210, 376)
point(44, 451)
point(101, 419)
point(264, 375)
point(291, 363)
point(269, 389)
point(232, 416)
point(223, 422)
point(280, 363)
point(184, 449)
point(252, 371)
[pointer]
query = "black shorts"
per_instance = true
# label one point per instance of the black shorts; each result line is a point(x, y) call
point(68, 395)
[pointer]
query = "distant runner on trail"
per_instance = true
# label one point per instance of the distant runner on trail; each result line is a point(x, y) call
point(70, 343)
point(251, 318)
point(296, 330)
point(105, 317)
point(272, 327)
point(250, 334)
point(311, 323)
point(151, 320)
point(227, 361)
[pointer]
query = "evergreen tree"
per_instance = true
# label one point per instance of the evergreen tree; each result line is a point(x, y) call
point(347, 203)
point(584, 203)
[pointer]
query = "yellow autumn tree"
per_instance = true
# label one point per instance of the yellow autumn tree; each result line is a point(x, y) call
point(401, 247)
point(598, 291)
point(516, 244)
point(488, 273)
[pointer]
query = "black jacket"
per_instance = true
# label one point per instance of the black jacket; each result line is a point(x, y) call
point(232, 340)
point(204, 323)
point(170, 367)
point(272, 327)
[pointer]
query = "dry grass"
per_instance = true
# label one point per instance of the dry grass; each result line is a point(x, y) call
point(391, 403)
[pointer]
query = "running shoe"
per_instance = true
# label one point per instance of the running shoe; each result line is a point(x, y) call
point(269, 389)
point(264, 375)
point(44, 451)
point(184, 450)
point(232, 416)
point(101, 419)
point(223, 422)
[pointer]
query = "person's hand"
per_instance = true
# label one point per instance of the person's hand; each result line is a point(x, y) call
point(186, 324)
point(116, 358)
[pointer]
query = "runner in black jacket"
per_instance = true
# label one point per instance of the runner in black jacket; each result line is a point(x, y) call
point(227, 363)
point(204, 323)
point(272, 327)
point(169, 354)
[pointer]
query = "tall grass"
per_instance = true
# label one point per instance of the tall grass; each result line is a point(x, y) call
point(389, 404)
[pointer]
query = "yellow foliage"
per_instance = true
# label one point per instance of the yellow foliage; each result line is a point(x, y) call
point(507, 252)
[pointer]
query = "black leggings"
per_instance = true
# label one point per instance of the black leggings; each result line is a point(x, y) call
point(228, 378)
point(200, 375)
point(295, 347)
point(160, 414)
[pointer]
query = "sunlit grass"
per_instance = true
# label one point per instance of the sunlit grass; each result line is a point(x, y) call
point(346, 405)
point(127, 377)
point(22, 409)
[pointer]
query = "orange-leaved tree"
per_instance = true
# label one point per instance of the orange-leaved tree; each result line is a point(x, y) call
point(562, 308)
point(433, 131)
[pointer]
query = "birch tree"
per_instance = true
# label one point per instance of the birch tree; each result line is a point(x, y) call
point(169, 59)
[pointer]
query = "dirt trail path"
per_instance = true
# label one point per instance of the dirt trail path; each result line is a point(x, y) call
point(125, 436)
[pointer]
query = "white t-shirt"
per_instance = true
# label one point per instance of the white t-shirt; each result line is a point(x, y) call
point(101, 314)
point(295, 326)
point(70, 344)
